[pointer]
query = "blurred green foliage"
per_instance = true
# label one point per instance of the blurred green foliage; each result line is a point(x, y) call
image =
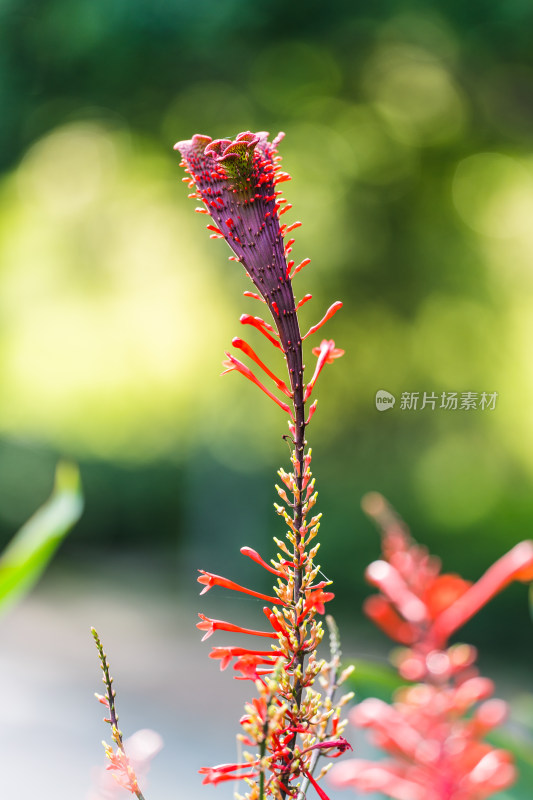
point(29, 551)
point(409, 137)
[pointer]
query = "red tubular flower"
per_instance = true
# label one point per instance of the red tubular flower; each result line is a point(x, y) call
point(305, 299)
point(210, 580)
point(234, 364)
point(319, 790)
point(517, 564)
point(326, 354)
point(225, 654)
point(382, 614)
point(329, 313)
point(260, 325)
point(212, 625)
point(227, 772)
point(443, 592)
point(253, 667)
point(254, 555)
point(245, 347)
point(340, 744)
point(316, 601)
point(391, 583)
point(312, 409)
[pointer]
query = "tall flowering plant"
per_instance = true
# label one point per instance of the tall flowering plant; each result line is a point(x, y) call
point(288, 724)
point(434, 730)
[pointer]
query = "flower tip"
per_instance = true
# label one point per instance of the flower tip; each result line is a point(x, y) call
point(523, 556)
point(373, 504)
point(101, 699)
point(198, 142)
point(204, 578)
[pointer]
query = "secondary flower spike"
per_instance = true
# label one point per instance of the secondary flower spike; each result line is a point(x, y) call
point(434, 730)
point(289, 725)
point(119, 763)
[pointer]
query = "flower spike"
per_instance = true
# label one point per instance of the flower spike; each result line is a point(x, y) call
point(287, 726)
point(119, 765)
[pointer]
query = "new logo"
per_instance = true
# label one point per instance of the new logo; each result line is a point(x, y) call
point(384, 400)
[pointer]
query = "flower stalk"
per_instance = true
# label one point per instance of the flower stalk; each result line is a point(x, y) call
point(237, 182)
point(120, 766)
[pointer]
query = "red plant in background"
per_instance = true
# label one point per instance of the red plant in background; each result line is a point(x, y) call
point(288, 725)
point(434, 730)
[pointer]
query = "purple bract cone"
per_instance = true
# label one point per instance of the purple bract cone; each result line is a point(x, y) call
point(237, 180)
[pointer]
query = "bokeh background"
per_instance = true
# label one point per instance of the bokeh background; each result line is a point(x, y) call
point(409, 136)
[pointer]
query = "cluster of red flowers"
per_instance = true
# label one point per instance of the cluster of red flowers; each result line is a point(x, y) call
point(289, 722)
point(434, 730)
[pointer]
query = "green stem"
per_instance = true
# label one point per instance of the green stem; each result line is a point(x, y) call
point(336, 653)
point(262, 751)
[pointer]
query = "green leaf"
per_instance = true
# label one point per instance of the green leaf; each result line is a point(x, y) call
point(30, 550)
point(370, 679)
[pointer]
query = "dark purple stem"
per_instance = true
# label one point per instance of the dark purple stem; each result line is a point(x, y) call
point(291, 342)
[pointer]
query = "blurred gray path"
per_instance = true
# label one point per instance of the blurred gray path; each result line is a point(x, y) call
point(51, 725)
